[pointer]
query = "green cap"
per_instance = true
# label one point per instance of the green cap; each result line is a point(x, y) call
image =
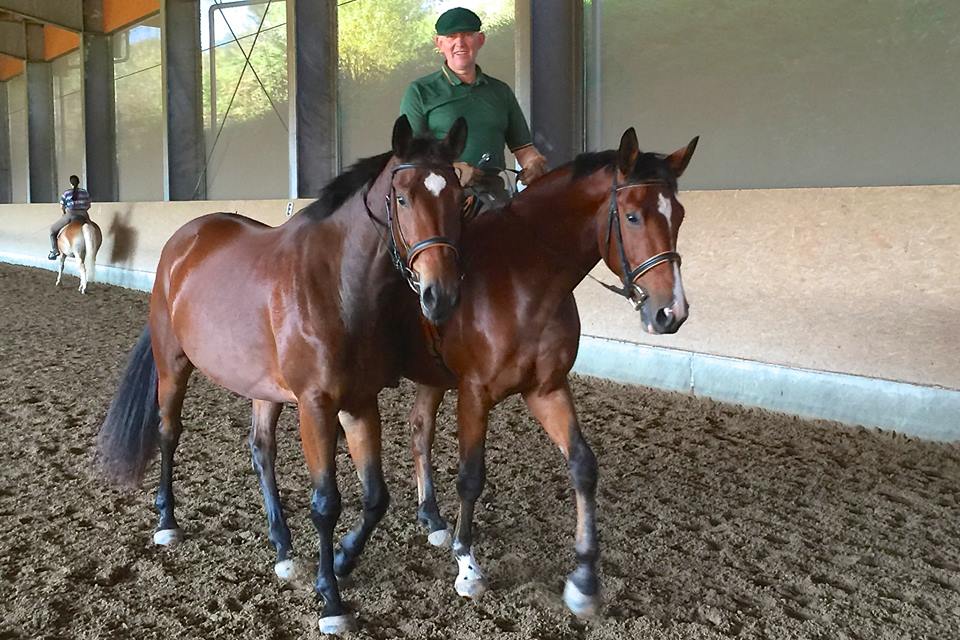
point(457, 20)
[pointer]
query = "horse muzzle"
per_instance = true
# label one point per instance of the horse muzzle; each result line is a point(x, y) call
point(663, 319)
point(437, 302)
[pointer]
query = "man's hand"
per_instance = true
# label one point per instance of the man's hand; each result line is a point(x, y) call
point(533, 163)
point(465, 172)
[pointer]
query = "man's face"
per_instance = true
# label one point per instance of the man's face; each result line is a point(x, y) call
point(460, 49)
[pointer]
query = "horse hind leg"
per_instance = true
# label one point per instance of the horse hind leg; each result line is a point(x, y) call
point(60, 260)
point(554, 409)
point(263, 451)
point(363, 433)
point(173, 371)
point(423, 423)
point(82, 268)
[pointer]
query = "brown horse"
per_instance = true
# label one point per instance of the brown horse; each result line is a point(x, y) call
point(517, 330)
point(304, 312)
point(80, 240)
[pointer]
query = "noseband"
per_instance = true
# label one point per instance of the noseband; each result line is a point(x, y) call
point(403, 260)
point(630, 290)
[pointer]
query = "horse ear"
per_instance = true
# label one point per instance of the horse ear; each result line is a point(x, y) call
point(629, 149)
point(402, 134)
point(679, 159)
point(456, 138)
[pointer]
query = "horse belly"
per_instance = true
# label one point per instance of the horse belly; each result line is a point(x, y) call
point(224, 330)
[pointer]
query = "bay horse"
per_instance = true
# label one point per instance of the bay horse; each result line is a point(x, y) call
point(304, 312)
point(517, 329)
point(79, 240)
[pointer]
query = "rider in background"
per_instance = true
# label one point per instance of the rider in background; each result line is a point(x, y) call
point(494, 119)
point(74, 203)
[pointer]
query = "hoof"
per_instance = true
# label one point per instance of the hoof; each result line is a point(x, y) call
point(439, 538)
point(470, 582)
point(580, 604)
point(472, 589)
point(285, 570)
point(167, 537)
point(335, 625)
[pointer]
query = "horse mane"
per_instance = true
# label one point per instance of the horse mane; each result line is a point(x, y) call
point(365, 170)
point(648, 167)
point(337, 191)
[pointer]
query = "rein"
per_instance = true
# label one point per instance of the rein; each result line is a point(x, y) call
point(630, 290)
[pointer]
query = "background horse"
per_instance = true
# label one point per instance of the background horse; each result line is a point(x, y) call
point(80, 240)
point(304, 312)
point(517, 329)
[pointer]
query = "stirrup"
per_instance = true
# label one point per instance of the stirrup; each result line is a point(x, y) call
point(53, 255)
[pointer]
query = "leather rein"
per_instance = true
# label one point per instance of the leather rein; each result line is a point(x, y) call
point(630, 290)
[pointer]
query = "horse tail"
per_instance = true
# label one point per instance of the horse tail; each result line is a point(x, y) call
point(91, 241)
point(129, 435)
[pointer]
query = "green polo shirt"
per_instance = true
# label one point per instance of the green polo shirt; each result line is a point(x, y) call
point(494, 119)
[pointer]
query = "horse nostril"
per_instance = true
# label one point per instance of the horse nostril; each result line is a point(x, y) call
point(664, 317)
point(429, 296)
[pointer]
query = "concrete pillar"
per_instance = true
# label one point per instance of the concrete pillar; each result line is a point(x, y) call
point(6, 179)
point(312, 44)
point(556, 104)
point(99, 106)
point(99, 118)
point(41, 140)
point(183, 87)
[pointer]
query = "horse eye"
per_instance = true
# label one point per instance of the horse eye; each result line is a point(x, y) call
point(632, 218)
point(401, 200)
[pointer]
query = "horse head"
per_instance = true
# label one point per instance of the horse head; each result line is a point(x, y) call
point(424, 210)
point(639, 240)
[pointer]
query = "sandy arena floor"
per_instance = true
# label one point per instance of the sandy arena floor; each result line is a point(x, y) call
point(715, 520)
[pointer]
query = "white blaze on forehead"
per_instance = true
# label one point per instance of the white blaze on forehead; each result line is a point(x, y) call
point(666, 208)
point(435, 183)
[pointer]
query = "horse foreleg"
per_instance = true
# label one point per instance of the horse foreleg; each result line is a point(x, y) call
point(554, 409)
point(263, 450)
point(318, 436)
point(362, 429)
point(423, 423)
point(473, 409)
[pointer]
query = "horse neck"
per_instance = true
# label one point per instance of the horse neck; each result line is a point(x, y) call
point(357, 231)
point(564, 213)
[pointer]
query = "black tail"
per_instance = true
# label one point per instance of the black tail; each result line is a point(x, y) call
point(130, 432)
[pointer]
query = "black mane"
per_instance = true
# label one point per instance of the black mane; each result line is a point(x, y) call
point(648, 167)
point(423, 150)
point(338, 190)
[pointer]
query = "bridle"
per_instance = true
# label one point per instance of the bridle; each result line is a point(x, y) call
point(401, 253)
point(630, 290)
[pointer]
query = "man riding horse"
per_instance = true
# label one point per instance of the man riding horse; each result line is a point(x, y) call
point(461, 89)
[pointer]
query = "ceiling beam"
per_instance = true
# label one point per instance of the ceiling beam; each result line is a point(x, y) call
point(67, 14)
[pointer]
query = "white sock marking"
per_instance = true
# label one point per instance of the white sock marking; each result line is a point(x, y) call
point(435, 183)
